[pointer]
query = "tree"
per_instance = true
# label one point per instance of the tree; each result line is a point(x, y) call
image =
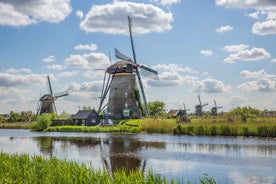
point(27, 116)
point(245, 113)
point(87, 107)
point(157, 108)
point(14, 117)
point(42, 122)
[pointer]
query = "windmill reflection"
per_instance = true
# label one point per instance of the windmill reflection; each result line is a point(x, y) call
point(115, 152)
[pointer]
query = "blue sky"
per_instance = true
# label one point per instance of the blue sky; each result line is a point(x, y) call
point(219, 49)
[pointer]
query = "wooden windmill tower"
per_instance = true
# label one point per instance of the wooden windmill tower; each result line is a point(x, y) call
point(214, 110)
point(46, 103)
point(124, 93)
point(198, 108)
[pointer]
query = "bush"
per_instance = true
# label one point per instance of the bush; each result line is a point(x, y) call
point(42, 122)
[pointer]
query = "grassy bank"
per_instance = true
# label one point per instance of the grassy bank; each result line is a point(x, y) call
point(16, 125)
point(37, 169)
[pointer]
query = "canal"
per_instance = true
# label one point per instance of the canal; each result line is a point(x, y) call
point(227, 159)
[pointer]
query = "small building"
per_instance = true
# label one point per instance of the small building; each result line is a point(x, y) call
point(174, 113)
point(86, 118)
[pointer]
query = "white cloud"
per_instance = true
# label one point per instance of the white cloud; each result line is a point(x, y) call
point(174, 68)
point(224, 28)
point(255, 54)
point(265, 27)
point(263, 85)
point(167, 2)
point(235, 48)
point(112, 18)
point(273, 60)
point(79, 14)
point(211, 86)
point(23, 13)
point(21, 70)
point(49, 59)
point(55, 67)
point(68, 74)
point(9, 80)
point(94, 86)
point(206, 53)
point(258, 74)
point(266, 13)
point(91, 47)
point(87, 61)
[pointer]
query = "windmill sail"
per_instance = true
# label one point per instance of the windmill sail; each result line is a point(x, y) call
point(148, 72)
point(120, 55)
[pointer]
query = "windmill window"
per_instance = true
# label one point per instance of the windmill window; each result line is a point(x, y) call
point(125, 84)
point(126, 105)
point(126, 94)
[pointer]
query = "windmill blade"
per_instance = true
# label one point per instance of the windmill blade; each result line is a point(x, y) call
point(137, 71)
point(148, 72)
point(199, 99)
point(184, 106)
point(215, 103)
point(61, 94)
point(49, 85)
point(120, 55)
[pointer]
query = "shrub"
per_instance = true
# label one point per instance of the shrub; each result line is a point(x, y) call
point(42, 122)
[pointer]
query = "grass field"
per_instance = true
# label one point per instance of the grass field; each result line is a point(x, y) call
point(219, 126)
point(37, 169)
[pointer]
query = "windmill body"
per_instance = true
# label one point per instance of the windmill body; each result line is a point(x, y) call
point(199, 107)
point(123, 101)
point(214, 110)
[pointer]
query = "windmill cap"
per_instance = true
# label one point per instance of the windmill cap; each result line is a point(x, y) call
point(120, 67)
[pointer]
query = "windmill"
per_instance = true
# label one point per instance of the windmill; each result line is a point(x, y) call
point(124, 94)
point(214, 110)
point(46, 103)
point(199, 107)
point(185, 110)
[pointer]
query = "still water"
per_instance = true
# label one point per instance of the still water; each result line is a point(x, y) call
point(228, 160)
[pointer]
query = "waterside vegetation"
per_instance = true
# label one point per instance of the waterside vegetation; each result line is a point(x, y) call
point(38, 169)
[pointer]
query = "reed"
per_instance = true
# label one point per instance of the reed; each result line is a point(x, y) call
point(16, 125)
point(37, 169)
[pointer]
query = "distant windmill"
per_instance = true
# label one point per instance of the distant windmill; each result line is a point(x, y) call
point(185, 110)
point(46, 103)
point(124, 96)
point(199, 107)
point(214, 110)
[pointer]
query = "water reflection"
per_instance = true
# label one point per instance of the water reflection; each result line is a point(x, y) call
point(114, 152)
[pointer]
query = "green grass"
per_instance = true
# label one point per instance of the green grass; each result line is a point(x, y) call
point(37, 169)
point(16, 125)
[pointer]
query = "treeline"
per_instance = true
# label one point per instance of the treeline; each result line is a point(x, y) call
point(24, 116)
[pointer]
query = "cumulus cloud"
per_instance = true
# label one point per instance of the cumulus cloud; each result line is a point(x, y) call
point(263, 85)
point(87, 61)
point(167, 2)
point(68, 74)
point(22, 13)
point(255, 54)
point(11, 80)
point(49, 59)
point(21, 70)
point(235, 48)
point(206, 53)
point(112, 18)
point(258, 74)
point(211, 86)
point(222, 29)
point(94, 86)
point(267, 9)
point(273, 60)
point(55, 67)
point(79, 14)
point(91, 47)
point(174, 68)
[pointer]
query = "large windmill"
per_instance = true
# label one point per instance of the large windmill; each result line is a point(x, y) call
point(124, 94)
point(214, 110)
point(199, 107)
point(46, 103)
